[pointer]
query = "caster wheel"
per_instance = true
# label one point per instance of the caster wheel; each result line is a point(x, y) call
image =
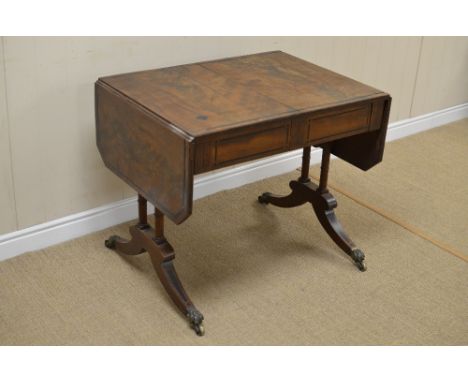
point(196, 320)
point(361, 266)
point(263, 198)
point(110, 243)
point(358, 256)
point(199, 329)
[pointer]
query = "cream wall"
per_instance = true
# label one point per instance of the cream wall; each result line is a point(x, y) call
point(7, 201)
point(49, 164)
point(442, 75)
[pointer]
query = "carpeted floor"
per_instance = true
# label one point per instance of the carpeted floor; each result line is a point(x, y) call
point(264, 275)
point(422, 181)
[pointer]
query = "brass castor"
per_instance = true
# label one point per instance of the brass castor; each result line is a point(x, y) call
point(263, 198)
point(361, 266)
point(110, 243)
point(196, 320)
point(358, 257)
point(199, 329)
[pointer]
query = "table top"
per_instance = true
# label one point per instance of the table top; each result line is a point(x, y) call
point(215, 96)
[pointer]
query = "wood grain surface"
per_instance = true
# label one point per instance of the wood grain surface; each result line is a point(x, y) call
point(215, 96)
point(143, 150)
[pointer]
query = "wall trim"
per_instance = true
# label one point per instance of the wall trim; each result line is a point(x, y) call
point(82, 223)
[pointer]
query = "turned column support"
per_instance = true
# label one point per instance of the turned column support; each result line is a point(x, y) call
point(142, 211)
point(324, 169)
point(146, 239)
point(305, 165)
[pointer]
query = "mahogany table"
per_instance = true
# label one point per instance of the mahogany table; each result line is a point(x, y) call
point(156, 129)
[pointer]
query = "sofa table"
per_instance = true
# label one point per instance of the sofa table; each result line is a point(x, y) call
point(156, 129)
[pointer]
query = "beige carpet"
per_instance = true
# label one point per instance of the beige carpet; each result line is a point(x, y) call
point(422, 181)
point(265, 275)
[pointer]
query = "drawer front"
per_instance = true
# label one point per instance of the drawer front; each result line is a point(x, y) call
point(326, 126)
point(267, 139)
point(251, 145)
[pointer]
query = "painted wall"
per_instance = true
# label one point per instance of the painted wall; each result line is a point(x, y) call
point(49, 164)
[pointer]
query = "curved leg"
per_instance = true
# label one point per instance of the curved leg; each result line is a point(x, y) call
point(291, 200)
point(327, 218)
point(133, 246)
point(144, 238)
point(130, 247)
point(294, 199)
point(162, 256)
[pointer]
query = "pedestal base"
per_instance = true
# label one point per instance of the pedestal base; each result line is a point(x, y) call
point(144, 239)
point(323, 204)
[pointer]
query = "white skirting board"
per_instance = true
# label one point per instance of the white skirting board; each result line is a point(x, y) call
point(72, 226)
